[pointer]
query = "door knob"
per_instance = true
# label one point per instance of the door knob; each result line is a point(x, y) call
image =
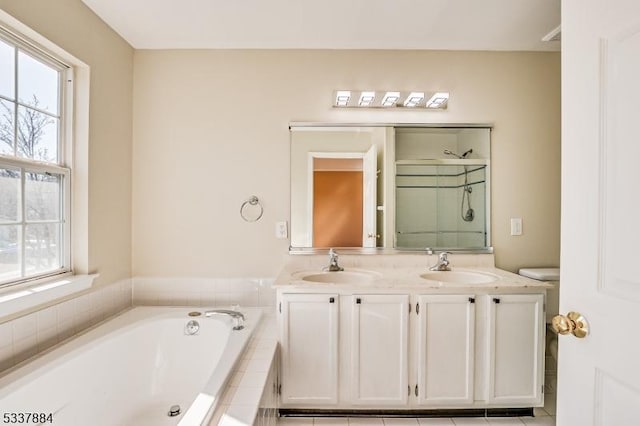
point(573, 323)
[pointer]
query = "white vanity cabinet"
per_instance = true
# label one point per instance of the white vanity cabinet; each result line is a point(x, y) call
point(516, 349)
point(379, 349)
point(445, 353)
point(421, 350)
point(309, 343)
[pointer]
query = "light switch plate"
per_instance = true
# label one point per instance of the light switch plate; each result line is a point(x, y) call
point(281, 230)
point(516, 226)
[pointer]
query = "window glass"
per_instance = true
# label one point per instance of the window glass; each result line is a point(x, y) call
point(10, 251)
point(37, 84)
point(10, 206)
point(37, 135)
point(7, 70)
point(42, 196)
point(7, 131)
point(42, 248)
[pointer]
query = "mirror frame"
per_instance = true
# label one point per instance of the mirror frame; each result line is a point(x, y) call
point(387, 250)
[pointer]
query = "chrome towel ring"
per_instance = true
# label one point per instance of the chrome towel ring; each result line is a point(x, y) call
point(245, 212)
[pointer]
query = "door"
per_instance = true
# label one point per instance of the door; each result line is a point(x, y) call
point(370, 188)
point(379, 358)
point(446, 328)
point(516, 349)
point(599, 375)
point(309, 338)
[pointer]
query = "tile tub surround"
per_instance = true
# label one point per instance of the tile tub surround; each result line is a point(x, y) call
point(250, 388)
point(218, 292)
point(28, 335)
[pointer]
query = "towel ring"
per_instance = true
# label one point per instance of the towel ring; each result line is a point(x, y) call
point(252, 201)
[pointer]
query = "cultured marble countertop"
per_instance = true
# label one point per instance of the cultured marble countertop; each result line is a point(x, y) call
point(402, 272)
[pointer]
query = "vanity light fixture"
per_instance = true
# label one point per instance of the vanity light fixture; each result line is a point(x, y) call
point(438, 100)
point(414, 99)
point(342, 97)
point(366, 98)
point(390, 99)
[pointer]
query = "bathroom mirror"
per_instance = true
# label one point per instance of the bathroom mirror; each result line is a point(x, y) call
point(389, 187)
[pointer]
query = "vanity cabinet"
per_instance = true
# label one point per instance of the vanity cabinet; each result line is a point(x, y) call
point(309, 341)
point(516, 349)
point(445, 354)
point(413, 351)
point(379, 358)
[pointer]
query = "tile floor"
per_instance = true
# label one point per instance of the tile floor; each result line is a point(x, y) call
point(542, 418)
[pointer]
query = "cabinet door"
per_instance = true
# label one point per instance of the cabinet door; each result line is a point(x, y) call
point(379, 358)
point(516, 349)
point(309, 338)
point(446, 329)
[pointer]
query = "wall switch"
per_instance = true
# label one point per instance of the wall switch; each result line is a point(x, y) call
point(516, 226)
point(281, 230)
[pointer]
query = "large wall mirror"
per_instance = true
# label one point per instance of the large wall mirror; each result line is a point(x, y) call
point(391, 187)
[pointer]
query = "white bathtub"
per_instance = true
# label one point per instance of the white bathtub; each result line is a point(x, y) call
point(131, 370)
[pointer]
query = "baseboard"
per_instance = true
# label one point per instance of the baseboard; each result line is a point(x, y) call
point(472, 412)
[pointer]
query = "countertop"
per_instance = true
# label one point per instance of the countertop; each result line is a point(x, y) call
point(402, 272)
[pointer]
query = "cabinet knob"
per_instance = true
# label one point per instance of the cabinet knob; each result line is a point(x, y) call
point(358, 301)
point(573, 323)
point(332, 300)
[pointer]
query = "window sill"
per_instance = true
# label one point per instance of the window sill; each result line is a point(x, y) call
point(29, 296)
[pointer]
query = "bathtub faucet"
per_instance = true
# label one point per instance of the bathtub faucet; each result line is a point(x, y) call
point(238, 317)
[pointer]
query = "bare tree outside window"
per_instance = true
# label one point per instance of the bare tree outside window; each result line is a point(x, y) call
point(28, 138)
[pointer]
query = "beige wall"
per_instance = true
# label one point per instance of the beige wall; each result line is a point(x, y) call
point(211, 129)
point(76, 29)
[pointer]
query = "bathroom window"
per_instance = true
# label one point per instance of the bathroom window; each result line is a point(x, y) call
point(34, 171)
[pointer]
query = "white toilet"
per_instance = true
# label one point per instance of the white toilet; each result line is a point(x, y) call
point(552, 276)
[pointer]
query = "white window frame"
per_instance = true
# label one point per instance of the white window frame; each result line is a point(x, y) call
point(63, 165)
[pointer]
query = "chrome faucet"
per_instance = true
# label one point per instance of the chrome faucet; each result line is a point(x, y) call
point(443, 262)
point(238, 317)
point(333, 262)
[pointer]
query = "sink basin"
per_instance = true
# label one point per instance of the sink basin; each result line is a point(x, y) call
point(340, 277)
point(459, 277)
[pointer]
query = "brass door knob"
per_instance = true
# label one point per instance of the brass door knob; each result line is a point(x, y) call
point(573, 323)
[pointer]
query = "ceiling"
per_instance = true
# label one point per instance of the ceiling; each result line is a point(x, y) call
point(333, 24)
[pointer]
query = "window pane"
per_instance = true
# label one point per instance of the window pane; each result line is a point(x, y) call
point(9, 195)
point(37, 84)
point(42, 196)
point(37, 135)
point(7, 70)
point(42, 248)
point(7, 131)
point(9, 252)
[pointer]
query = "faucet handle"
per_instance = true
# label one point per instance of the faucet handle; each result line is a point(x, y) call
point(443, 256)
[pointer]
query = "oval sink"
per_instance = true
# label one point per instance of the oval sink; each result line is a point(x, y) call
point(341, 277)
point(459, 277)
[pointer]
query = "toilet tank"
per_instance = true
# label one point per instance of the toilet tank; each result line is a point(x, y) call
point(552, 276)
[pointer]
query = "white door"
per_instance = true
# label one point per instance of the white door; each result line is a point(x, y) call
point(379, 358)
point(369, 186)
point(599, 376)
point(516, 350)
point(309, 339)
